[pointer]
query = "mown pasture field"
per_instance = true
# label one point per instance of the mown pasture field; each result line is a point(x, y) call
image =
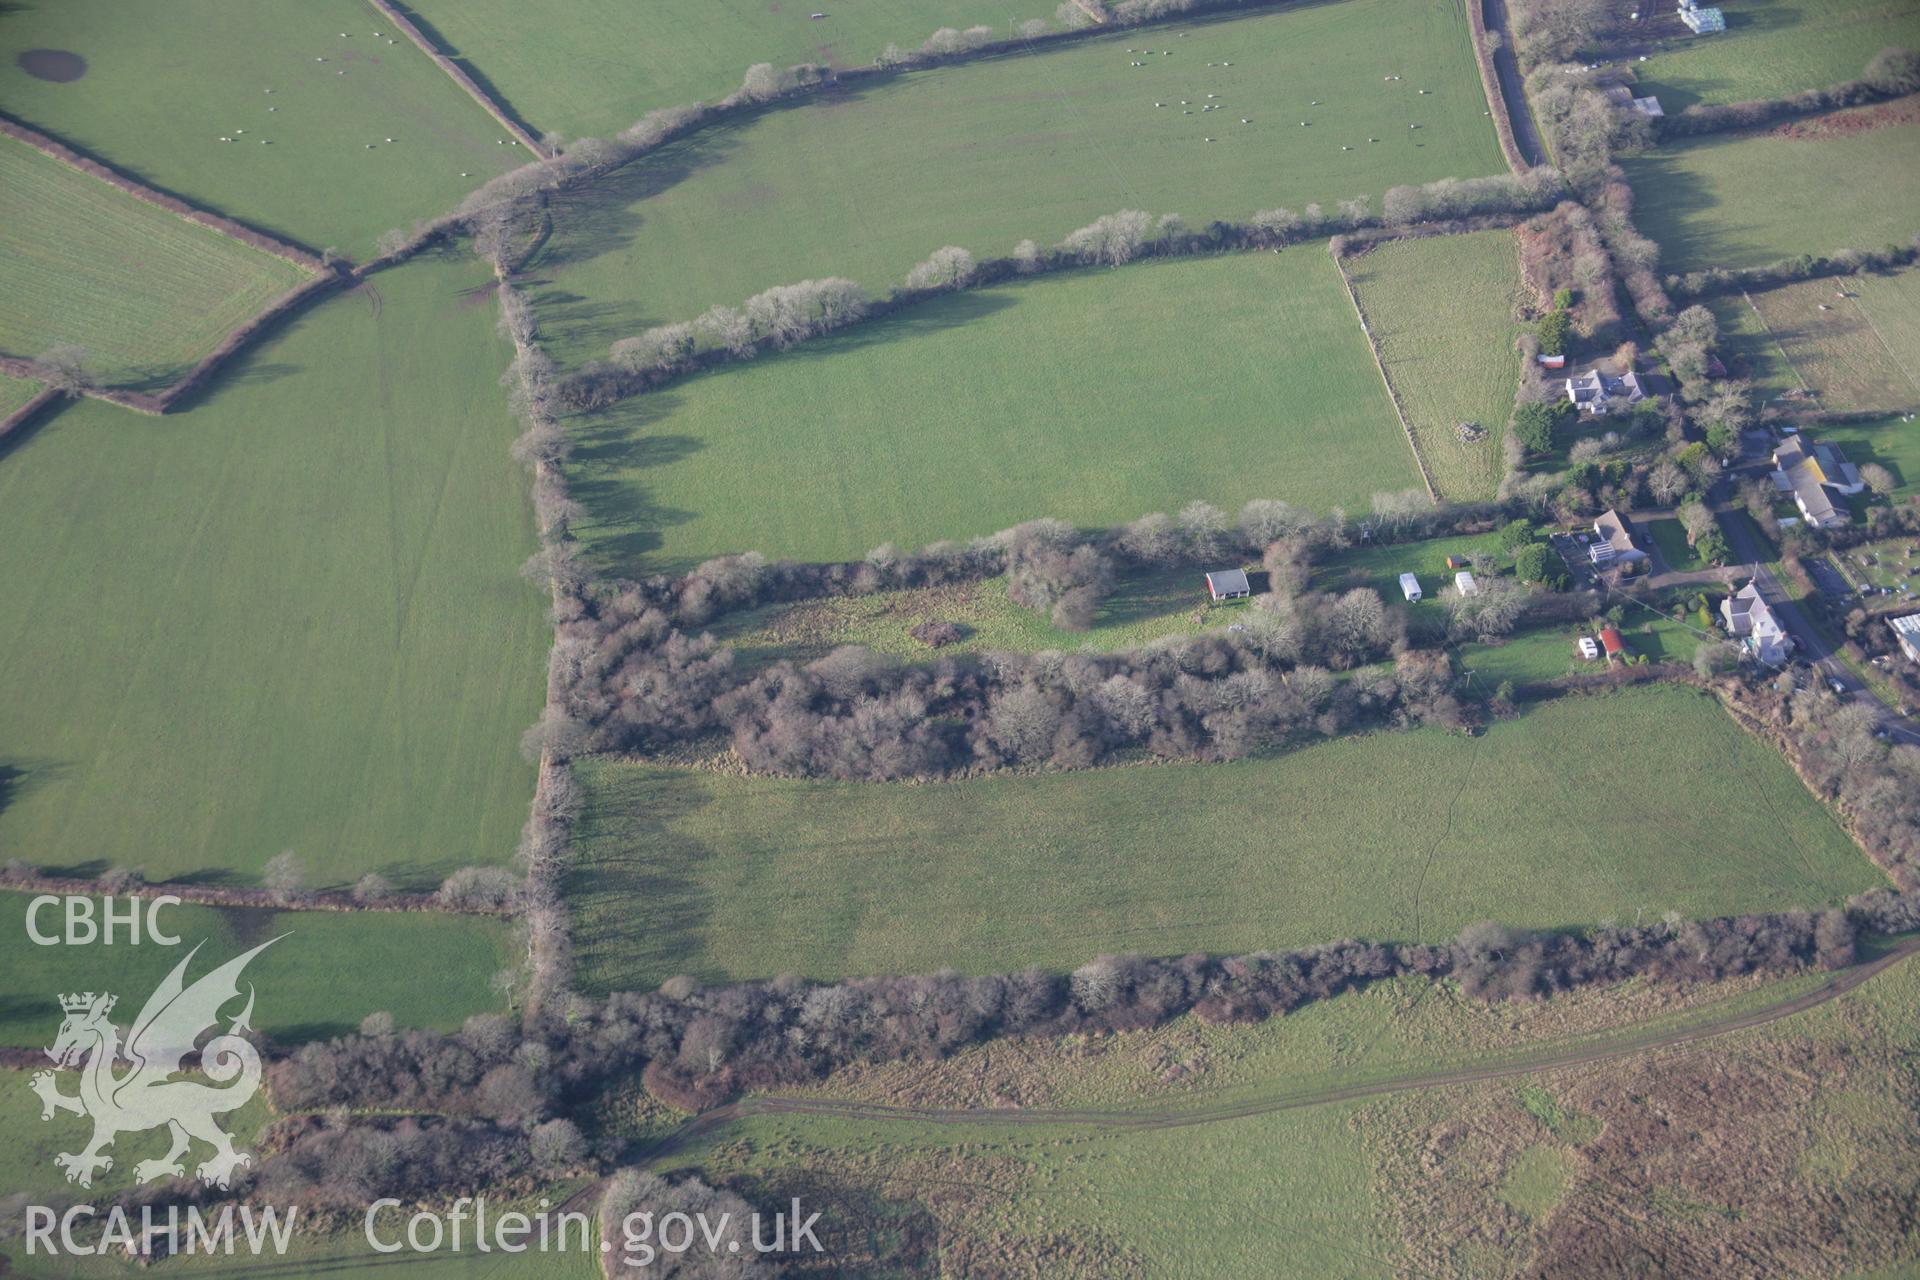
point(1747, 200)
point(867, 183)
point(590, 68)
point(1441, 312)
point(1094, 397)
point(1354, 1188)
point(1853, 341)
point(1399, 836)
point(158, 95)
point(1772, 48)
point(427, 969)
point(145, 292)
point(286, 617)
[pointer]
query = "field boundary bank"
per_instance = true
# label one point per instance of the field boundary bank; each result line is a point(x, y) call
point(159, 402)
point(1838, 985)
point(1373, 349)
point(252, 899)
point(31, 409)
point(394, 14)
point(54, 149)
point(991, 272)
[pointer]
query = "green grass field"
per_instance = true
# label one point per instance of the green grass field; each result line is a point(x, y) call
point(727, 877)
point(15, 393)
point(1462, 1181)
point(592, 67)
point(1749, 200)
point(1772, 48)
point(984, 155)
point(1094, 397)
point(145, 292)
point(1442, 315)
point(1856, 342)
point(425, 968)
point(1141, 609)
point(287, 617)
point(158, 95)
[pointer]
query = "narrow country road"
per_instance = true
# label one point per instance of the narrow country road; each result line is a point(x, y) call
point(1538, 1058)
point(1512, 88)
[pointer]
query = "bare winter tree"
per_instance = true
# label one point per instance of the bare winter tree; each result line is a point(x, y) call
point(284, 878)
point(66, 368)
point(729, 327)
point(1112, 238)
point(948, 268)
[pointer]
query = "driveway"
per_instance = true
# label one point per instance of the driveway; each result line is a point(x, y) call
point(1746, 547)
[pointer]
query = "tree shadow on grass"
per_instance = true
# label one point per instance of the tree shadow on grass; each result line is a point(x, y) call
point(641, 905)
point(624, 524)
point(602, 217)
point(1676, 208)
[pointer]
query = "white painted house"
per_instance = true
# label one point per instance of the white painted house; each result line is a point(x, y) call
point(1750, 621)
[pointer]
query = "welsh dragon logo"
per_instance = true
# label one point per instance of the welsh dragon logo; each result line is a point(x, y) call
point(148, 1095)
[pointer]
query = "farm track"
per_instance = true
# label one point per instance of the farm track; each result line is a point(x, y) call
point(1541, 1058)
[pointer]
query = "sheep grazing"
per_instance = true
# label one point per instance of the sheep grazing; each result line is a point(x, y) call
point(1244, 120)
point(273, 108)
point(389, 139)
point(1209, 139)
point(1346, 148)
point(226, 139)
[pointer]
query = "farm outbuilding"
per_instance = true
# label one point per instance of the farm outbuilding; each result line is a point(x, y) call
point(1459, 562)
point(1588, 648)
point(1463, 583)
point(1611, 643)
point(1228, 584)
point(1409, 586)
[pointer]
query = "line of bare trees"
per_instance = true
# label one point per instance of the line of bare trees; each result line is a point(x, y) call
point(779, 317)
point(634, 672)
point(696, 1045)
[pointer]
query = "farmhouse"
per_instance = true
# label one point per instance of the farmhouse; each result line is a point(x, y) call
point(1409, 586)
point(1596, 391)
point(1749, 620)
point(1228, 584)
point(1702, 21)
point(1807, 469)
point(1907, 632)
point(1614, 541)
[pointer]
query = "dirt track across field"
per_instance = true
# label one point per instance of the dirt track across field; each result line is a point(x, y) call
point(1539, 1058)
